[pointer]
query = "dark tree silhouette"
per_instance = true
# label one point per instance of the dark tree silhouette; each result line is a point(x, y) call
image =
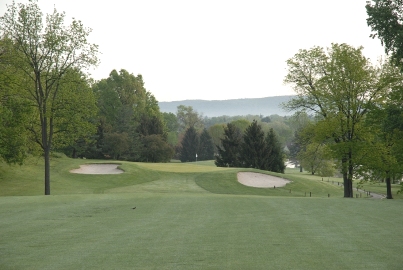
point(190, 145)
point(206, 146)
point(275, 158)
point(254, 152)
point(228, 154)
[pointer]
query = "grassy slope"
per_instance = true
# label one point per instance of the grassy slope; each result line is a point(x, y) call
point(178, 224)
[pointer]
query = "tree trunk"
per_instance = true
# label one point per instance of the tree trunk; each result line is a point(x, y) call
point(46, 150)
point(350, 179)
point(346, 183)
point(388, 188)
point(47, 171)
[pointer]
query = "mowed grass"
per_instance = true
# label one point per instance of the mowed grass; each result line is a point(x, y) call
point(194, 216)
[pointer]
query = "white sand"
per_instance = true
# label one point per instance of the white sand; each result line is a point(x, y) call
point(98, 169)
point(261, 180)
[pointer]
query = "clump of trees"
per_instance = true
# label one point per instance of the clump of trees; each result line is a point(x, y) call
point(47, 98)
point(196, 146)
point(129, 122)
point(343, 89)
point(251, 149)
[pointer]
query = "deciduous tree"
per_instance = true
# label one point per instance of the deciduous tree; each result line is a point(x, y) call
point(156, 149)
point(44, 53)
point(385, 18)
point(340, 85)
point(188, 117)
point(14, 111)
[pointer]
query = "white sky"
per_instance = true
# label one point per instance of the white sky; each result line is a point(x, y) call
point(213, 49)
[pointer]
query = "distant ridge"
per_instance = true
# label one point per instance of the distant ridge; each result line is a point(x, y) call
point(232, 107)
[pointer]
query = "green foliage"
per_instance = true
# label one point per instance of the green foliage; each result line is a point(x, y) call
point(151, 124)
point(187, 117)
point(216, 132)
point(189, 146)
point(13, 136)
point(14, 112)
point(156, 149)
point(252, 149)
point(386, 145)
point(74, 110)
point(206, 146)
point(116, 144)
point(47, 55)
point(254, 152)
point(275, 154)
point(385, 18)
point(242, 124)
point(171, 121)
point(341, 87)
point(316, 158)
point(228, 154)
point(129, 121)
point(282, 129)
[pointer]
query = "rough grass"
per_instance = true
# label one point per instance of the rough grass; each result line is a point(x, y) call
point(193, 216)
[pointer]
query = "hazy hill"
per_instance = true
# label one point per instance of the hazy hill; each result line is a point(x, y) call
point(232, 107)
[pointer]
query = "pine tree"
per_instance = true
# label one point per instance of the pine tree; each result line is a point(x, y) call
point(275, 159)
point(206, 146)
point(254, 149)
point(190, 145)
point(228, 154)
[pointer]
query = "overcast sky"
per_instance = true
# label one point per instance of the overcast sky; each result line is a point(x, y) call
point(213, 49)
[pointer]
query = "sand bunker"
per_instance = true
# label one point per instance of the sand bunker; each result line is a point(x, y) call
point(261, 180)
point(98, 169)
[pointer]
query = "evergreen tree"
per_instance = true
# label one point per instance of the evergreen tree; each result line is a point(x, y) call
point(254, 149)
point(190, 145)
point(275, 160)
point(228, 154)
point(206, 147)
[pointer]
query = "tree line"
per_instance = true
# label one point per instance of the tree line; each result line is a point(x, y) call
point(49, 103)
point(252, 149)
point(347, 111)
